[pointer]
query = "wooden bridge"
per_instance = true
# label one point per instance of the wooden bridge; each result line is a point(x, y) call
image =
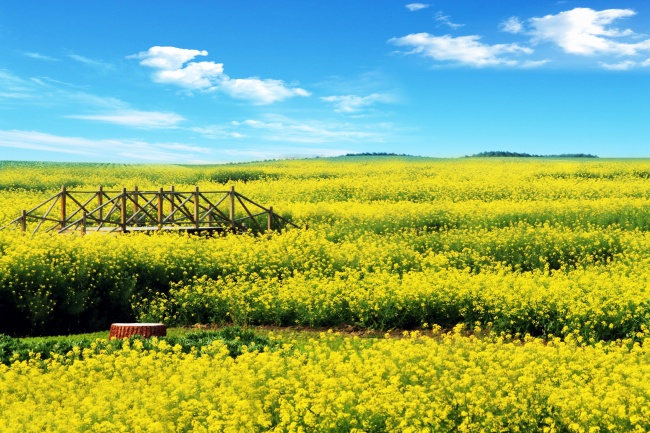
point(129, 211)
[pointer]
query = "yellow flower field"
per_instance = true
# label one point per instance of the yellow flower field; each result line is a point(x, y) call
point(547, 258)
point(331, 383)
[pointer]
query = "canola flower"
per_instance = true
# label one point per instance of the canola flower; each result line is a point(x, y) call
point(445, 382)
point(507, 248)
point(549, 247)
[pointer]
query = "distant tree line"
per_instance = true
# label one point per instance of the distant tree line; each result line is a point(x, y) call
point(501, 154)
point(376, 154)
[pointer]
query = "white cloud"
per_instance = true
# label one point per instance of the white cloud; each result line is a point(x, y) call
point(169, 61)
point(260, 92)
point(285, 152)
point(102, 150)
point(137, 119)
point(446, 20)
point(512, 25)
point(466, 50)
point(625, 65)
point(354, 103)
point(584, 31)
point(283, 129)
point(195, 76)
point(216, 132)
point(416, 6)
point(39, 56)
point(209, 76)
point(166, 58)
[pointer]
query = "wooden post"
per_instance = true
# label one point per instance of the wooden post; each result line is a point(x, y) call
point(232, 208)
point(83, 223)
point(172, 206)
point(123, 210)
point(136, 206)
point(100, 202)
point(64, 196)
point(196, 207)
point(23, 220)
point(160, 208)
point(270, 219)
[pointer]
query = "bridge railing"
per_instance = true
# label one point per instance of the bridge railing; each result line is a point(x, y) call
point(142, 210)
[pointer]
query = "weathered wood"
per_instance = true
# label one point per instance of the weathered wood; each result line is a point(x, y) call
point(136, 206)
point(196, 211)
point(196, 207)
point(146, 330)
point(123, 210)
point(160, 208)
point(64, 196)
point(171, 207)
point(249, 214)
point(232, 208)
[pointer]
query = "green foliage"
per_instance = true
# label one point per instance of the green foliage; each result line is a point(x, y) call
point(235, 338)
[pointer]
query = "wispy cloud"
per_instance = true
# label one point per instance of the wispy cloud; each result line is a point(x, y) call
point(464, 50)
point(137, 119)
point(284, 129)
point(355, 103)
point(416, 6)
point(625, 65)
point(446, 20)
point(97, 64)
point(285, 152)
point(102, 150)
point(172, 66)
point(512, 25)
point(586, 32)
point(38, 56)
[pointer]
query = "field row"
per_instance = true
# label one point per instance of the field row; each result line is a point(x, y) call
point(336, 384)
point(539, 280)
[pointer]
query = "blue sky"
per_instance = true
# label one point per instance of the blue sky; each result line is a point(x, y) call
point(238, 80)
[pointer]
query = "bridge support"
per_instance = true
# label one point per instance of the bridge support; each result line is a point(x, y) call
point(140, 210)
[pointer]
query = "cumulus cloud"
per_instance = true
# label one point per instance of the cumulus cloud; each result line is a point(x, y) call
point(584, 31)
point(173, 66)
point(355, 103)
point(416, 6)
point(512, 25)
point(260, 92)
point(466, 50)
point(137, 119)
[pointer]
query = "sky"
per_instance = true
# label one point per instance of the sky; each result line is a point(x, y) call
point(240, 80)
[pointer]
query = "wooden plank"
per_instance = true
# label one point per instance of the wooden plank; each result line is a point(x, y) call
point(160, 208)
point(43, 218)
point(64, 196)
point(250, 215)
point(196, 207)
point(232, 208)
point(123, 210)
